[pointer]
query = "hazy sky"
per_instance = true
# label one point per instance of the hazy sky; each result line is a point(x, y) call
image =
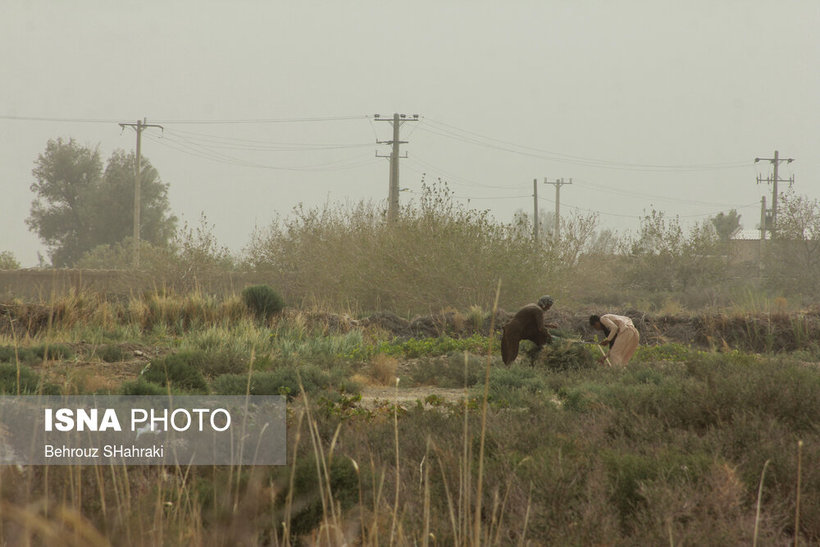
point(644, 104)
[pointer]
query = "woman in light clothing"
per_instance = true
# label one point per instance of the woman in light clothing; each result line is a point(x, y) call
point(621, 336)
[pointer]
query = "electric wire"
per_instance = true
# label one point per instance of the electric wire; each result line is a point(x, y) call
point(452, 132)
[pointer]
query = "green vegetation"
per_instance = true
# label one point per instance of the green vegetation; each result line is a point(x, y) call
point(668, 449)
point(71, 184)
point(263, 301)
point(8, 261)
point(23, 380)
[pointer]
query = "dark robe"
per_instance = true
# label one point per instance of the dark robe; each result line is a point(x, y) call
point(527, 324)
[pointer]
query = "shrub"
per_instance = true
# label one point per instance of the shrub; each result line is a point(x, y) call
point(281, 381)
point(111, 353)
point(30, 382)
point(516, 385)
point(142, 387)
point(567, 356)
point(263, 301)
point(450, 371)
point(36, 354)
point(180, 370)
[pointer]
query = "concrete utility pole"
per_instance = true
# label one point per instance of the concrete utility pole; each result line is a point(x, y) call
point(393, 194)
point(138, 127)
point(535, 210)
point(774, 179)
point(762, 248)
point(558, 183)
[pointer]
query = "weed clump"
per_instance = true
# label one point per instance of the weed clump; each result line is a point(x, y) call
point(111, 353)
point(180, 370)
point(263, 301)
point(30, 382)
point(280, 381)
point(35, 354)
point(450, 371)
point(517, 385)
point(561, 356)
point(141, 386)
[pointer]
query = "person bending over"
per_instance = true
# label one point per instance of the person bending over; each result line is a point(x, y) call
point(621, 336)
point(527, 324)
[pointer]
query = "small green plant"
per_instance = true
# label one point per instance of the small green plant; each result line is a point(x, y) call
point(29, 381)
point(36, 354)
point(180, 370)
point(111, 353)
point(280, 381)
point(263, 301)
point(561, 356)
point(449, 371)
point(142, 387)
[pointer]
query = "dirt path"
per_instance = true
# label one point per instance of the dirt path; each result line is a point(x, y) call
point(372, 395)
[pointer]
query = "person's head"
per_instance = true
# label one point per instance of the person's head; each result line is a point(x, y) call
point(595, 322)
point(545, 302)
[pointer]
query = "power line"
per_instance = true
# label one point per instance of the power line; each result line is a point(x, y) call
point(266, 120)
point(585, 182)
point(57, 120)
point(470, 137)
point(188, 121)
point(257, 145)
point(204, 152)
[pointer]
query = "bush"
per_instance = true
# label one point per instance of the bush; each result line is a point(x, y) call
point(263, 301)
point(449, 372)
point(180, 370)
point(567, 356)
point(111, 353)
point(30, 382)
point(142, 387)
point(281, 381)
point(35, 355)
point(516, 385)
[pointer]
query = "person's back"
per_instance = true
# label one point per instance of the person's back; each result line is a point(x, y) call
point(526, 324)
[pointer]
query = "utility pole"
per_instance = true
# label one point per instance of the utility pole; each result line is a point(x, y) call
point(138, 127)
point(558, 183)
point(774, 179)
point(393, 194)
point(762, 249)
point(535, 210)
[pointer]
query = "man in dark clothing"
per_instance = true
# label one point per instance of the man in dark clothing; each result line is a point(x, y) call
point(527, 324)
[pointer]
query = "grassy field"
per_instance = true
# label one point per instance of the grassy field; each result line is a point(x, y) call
point(710, 444)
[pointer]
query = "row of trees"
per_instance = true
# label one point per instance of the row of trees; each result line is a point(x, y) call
point(437, 253)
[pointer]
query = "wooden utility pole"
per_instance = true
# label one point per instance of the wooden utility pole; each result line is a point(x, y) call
point(393, 193)
point(558, 183)
point(773, 180)
point(138, 127)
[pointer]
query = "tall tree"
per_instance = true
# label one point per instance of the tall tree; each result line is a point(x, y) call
point(727, 225)
point(79, 206)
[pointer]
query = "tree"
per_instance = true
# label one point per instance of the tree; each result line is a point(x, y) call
point(78, 206)
point(794, 252)
point(664, 257)
point(727, 225)
point(8, 262)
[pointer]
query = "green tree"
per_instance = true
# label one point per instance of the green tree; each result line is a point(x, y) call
point(727, 225)
point(78, 206)
point(8, 262)
point(794, 251)
point(666, 258)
